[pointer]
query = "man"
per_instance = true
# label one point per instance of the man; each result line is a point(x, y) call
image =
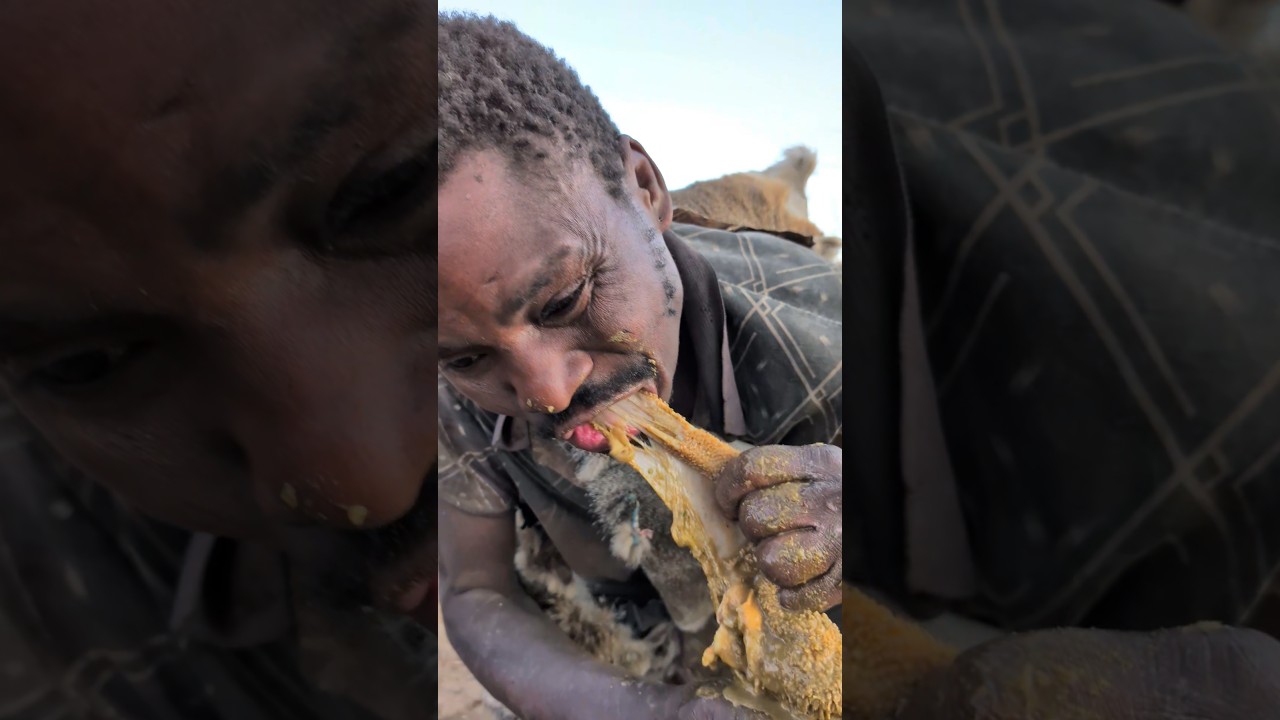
point(217, 272)
point(565, 286)
point(555, 291)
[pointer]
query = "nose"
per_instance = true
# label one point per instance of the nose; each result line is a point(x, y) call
point(333, 437)
point(545, 376)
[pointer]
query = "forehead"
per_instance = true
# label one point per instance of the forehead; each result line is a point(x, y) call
point(87, 83)
point(485, 243)
point(139, 60)
point(131, 125)
point(504, 235)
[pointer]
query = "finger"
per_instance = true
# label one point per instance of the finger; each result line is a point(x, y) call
point(796, 557)
point(790, 506)
point(771, 465)
point(818, 595)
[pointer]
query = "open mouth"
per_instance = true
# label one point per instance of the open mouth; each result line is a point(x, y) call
point(581, 432)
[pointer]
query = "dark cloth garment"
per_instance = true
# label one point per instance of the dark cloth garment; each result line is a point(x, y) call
point(1093, 221)
point(87, 591)
point(761, 326)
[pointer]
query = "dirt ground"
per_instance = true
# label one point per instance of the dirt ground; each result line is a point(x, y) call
point(459, 692)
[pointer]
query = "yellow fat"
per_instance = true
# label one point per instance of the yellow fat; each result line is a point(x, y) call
point(793, 665)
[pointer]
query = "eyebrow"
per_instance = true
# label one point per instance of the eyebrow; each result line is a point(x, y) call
point(546, 274)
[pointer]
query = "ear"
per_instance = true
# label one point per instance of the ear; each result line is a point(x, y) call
point(649, 188)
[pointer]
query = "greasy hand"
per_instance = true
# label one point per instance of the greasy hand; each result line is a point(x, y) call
point(787, 502)
point(1193, 672)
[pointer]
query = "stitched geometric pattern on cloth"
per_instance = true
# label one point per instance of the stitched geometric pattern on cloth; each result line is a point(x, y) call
point(783, 311)
point(1098, 244)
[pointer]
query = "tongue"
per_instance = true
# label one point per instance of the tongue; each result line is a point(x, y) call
point(585, 437)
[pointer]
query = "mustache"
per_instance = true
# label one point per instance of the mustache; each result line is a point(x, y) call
point(591, 395)
point(335, 567)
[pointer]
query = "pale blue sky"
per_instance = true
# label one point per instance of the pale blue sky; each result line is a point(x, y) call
point(708, 87)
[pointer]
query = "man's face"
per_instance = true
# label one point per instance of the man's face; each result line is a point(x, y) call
point(217, 255)
point(555, 298)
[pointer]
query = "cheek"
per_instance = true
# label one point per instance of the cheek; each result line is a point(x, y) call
point(651, 305)
point(485, 391)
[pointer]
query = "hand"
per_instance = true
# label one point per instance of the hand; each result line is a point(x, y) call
point(787, 500)
point(1192, 672)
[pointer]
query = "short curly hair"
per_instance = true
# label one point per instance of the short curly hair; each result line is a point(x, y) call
point(501, 90)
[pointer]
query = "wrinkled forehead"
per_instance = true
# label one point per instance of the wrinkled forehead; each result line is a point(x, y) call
point(508, 235)
point(495, 212)
point(126, 124)
point(86, 83)
point(140, 57)
point(103, 39)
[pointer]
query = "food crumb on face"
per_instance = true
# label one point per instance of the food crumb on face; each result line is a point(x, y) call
point(289, 496)
point(357, 514)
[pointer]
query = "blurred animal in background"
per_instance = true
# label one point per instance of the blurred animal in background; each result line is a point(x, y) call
point(772, 199)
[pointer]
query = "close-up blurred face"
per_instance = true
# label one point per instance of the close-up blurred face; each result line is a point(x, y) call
point(217, 261)
point(556, 298)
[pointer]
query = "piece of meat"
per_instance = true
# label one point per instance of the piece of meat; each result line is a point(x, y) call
point(786, 663)
point(794, 662)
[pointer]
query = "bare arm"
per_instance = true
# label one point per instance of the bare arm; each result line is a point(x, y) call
point(519, 655)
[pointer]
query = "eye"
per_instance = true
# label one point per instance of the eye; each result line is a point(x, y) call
point(560, 307)
point(365, 201)
point(462, 364)
point(80, 370)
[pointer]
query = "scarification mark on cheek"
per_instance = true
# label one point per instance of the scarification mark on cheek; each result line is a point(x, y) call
point(658, 248)
point(669, 290)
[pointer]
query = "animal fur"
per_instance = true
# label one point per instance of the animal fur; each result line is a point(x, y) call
point(639, 527)
point(770, 199)
point(567, 601)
